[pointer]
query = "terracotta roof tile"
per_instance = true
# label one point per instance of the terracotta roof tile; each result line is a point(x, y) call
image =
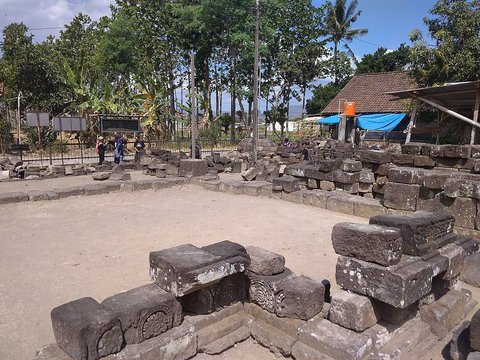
point(368, 93)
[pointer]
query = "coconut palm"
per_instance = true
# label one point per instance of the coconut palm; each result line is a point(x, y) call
point(340, 18)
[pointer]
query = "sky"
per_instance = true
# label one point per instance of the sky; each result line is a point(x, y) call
point(389, 22)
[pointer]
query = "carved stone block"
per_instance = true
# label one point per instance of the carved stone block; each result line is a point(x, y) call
point(264, 262)
point(86, 330)
point(145, 312)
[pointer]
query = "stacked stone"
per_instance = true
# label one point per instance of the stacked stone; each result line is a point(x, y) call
point(154, 167)
point(278, 290)
point(376, 165)
point(429, 156)
point(220, 163)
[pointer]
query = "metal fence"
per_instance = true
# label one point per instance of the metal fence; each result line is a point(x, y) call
point(80, 153)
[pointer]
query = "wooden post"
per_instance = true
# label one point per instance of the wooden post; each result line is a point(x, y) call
point(412, 121)
point(475, 117)
point(192, 104)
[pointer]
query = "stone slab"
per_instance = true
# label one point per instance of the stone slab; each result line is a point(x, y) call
point(475, 331)
point(373, 243)
point(374, 156)
point(286, 183)
point(192, 167)
point(401, 196)
point(352, 311)
point(272, 338)
point(341, 203)
point(264, 262)
point(13, 197)
point(460, 343)
point(187, 268)
point(145, 312)
point(367, 208)
point(86, 330)
point(398, 285)
point(471, 270)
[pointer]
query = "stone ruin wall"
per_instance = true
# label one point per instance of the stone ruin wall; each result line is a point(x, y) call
point(398, 297)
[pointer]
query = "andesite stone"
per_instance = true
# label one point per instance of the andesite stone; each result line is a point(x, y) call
point(373, 243)
point(264, 262)
point(401, 196)
point(475, 331)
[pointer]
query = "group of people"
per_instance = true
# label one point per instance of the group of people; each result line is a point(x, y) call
point(119, 144)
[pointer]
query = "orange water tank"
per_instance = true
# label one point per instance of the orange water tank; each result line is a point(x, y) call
point(349, 108)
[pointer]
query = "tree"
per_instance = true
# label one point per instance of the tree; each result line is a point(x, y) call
point(339, 21)
point(384, 60)
point(322, 95)
point(455, 27)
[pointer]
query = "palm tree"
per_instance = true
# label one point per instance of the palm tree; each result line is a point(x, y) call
point(338, 27)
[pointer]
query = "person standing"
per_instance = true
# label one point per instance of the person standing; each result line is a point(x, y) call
point(118, 152)
point(139, 146)
point(101, 148)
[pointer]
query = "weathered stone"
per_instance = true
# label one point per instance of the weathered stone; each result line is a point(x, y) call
point(352, 311)
point(399, 285)
point(343, 177)
point(250, 174)
point(405, 175)
point(444, 314)
point(333, 340)
point(264, 262)
point(471, 270)
point(378, 189)
point(13, 197)
point(329, 165)
point(373, 243)
point(383, 169)
point(456, 151)
point(402, 159)
point(401, 196)
point(317, 198)
point(145, 312)
point(272, 338)
point(313, 184)
point(295, 197)
point(101, 188)
point(463, 210)
point(455, 187)
point(365, 188)
point(366, 207)
point(192, 167)
point(299, 298)
point(340, 203)
point(460, 344)
point(351, 166)
point(301, 351)
point(475, 355)
point(374, 156)
point(177, 343)
point(350, 188)
point(286, 183)
point(475, 331)
point(264, 290)
point(327, 185)
point(393, 315)
point(86, 330)
point(228, 291)
point(186, 268)
point(435, 179)
point(412, 149)
point(367, 177)
point(418, 229)
point(70, 191)
point(423, 161)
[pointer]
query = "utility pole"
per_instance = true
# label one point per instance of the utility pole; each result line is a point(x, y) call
point(18, 116)
point(193, 108)
point(255, 84)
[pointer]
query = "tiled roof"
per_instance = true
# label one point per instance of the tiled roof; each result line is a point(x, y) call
point(368, 91)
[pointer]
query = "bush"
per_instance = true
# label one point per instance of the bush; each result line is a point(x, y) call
point(6, 136)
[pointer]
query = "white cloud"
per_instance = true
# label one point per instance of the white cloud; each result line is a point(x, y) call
point(49, 13)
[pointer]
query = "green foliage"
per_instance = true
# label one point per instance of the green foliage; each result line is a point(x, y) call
point(212, 134)
point(6, 136)
point(322, 95)
point(47, 135)
point(383, 60)
point(455, 27)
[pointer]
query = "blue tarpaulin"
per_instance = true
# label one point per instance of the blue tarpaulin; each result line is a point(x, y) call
point(382, 122)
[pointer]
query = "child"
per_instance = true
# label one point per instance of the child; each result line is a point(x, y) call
point(101, 148)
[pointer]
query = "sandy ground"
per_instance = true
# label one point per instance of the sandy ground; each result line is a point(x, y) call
point(52, 252)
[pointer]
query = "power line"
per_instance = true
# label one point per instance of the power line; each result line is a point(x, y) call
point(47, 28)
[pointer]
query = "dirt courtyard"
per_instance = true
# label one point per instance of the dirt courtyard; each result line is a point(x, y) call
point(52, 252)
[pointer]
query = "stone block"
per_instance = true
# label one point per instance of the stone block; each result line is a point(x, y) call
point(301, 351)
point(327, 185)
point(454, 255)
point(351, 166)
point(423, 161)
point(399, 285)
point(343, 177)
point(401, 196)
point(286, 183)
point(352, 311)
point(365, 188)
point(86, 330)
point(340, 203)
point(383, 169)
point(402, 159)
point(333, 340)
point(463, 210)
point(272, 338)
point(313, 183)
point(264, 290)
point(226, 292)
point(298, 169)
point(192, 167)
point(145, 312)
point(435, 179)
point(471, 270)
point(475, 355)
point(417, 229)
point(329, 165)
point(295, 197)
point(250, 174)
point(177, 343)
point(374, 156)
point(406, 175)
point(13, 197)
point(69, 191)
point(460, 343)
point(432, 150)
point(350, 188)
point(367, 177)
point(457, 187)
point(475, 332)
point(299, 298)
point(378, 189)
point(373, 243)
point(412, 149)
point(317, 198)
point(186, 268)
point(264, 262)
point(393, 315)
